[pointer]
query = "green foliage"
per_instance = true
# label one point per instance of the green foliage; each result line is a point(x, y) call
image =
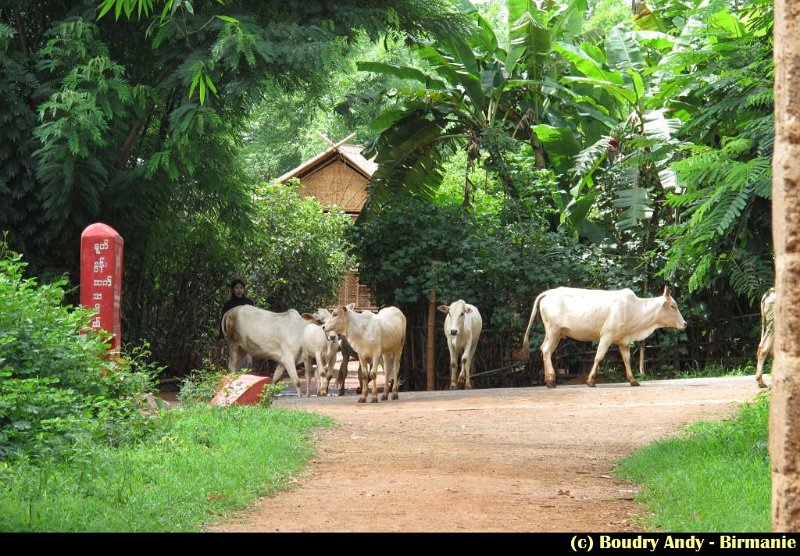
point(728, 458)
point(296, 256)
point(470, 89)
point(18, 188)
point(141, 109)
point(205, 463)
point(270, 392)
point(201, 385)
point(488, 258)
point(57, 388)
point(88, 93)
point(723, 236)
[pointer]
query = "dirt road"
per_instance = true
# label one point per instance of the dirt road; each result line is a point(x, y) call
point(521, 459)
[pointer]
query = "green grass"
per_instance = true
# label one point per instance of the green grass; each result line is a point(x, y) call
point(208, 462)
point(714, 478)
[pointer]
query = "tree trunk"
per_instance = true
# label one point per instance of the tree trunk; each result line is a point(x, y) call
point(784, 426)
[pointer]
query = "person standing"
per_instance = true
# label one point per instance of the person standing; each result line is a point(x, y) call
point(237, 298)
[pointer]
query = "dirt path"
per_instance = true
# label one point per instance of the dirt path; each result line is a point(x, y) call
point(521, 459)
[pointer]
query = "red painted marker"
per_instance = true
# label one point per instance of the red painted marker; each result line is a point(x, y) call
point(101, 279)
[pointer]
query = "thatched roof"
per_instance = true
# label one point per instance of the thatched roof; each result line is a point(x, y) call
point(350, 155)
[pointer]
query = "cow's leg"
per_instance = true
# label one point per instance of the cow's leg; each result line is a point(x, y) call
point(764, 349)
point(388, 365)
point(307, 365)
point(289, 362)
point(625, 351)
point(396, 374)
point(391, 364)
point(549, 345)
point(466, 364)
point(233, 356)
point(602, 348)
point(340, 378)
point(328, 373)
point(363, 378)
point(278, 374)
point(453, 364)
point(373, 376)
point(321, 391)
point(761, 357)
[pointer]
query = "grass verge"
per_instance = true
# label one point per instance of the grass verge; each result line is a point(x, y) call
point(207, 462)
point(716, 477)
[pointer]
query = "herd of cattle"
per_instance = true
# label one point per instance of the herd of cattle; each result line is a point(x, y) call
point(609, 317)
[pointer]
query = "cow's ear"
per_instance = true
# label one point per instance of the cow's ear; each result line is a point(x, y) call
point(308, 316)
point(666, 291)
point(468, 310)
point(444, 308)
point(350, 306)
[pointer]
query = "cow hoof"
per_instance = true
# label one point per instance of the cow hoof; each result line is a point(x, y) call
point(395, 396)
point(761, 385)
point(590, 383)
point(468, 386)
point(374, 400)
point(385, 397)
point(362, 400)
point(550, 384)
point(453, 386)
point(634, 383)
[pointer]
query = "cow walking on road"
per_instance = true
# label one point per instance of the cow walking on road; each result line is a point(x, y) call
point(462, 328)
point(265, 335)
point(612, 317)
point(767, 337)
point(372, 336)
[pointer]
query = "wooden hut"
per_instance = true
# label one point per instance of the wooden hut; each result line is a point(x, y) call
point(339, 176)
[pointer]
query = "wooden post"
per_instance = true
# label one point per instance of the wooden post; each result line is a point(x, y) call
point(641, 359)
point(430, 362)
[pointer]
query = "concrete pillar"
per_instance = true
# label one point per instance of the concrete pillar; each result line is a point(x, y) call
point(784, 427)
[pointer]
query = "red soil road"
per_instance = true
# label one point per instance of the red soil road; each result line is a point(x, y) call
point(507, 459)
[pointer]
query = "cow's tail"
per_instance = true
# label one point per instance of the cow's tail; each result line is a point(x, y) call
point(525, 351)
point(224, 323)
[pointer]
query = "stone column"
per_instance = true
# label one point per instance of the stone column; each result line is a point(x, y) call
point(784, 426)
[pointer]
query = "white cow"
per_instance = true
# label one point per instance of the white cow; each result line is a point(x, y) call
point(462, 328)
point(317, 346)
point(265, 335)
point(372, 336)
point(612, 317)
point(767, 337)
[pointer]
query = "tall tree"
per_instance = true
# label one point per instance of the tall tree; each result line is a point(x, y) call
point(468, 91)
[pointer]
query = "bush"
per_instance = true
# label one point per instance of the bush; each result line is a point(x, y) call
point(57, 388)
point(201, 385)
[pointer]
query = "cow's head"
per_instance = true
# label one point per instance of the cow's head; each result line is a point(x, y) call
point(669, 314)
point(322, 314)
point(337, 322)
point(457, 310)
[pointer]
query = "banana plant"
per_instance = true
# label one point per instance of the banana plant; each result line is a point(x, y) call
point(471, 88)
point(615, 90)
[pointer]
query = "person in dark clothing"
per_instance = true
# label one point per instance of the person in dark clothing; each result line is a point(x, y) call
point(237, 298)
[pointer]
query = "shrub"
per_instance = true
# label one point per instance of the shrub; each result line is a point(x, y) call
point(201, 385)
point(56, 385)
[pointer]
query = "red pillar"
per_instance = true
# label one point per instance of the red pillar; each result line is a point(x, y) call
point(101, 278)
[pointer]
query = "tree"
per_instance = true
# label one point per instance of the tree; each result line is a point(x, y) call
point(132, 111)
point(471, 90)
